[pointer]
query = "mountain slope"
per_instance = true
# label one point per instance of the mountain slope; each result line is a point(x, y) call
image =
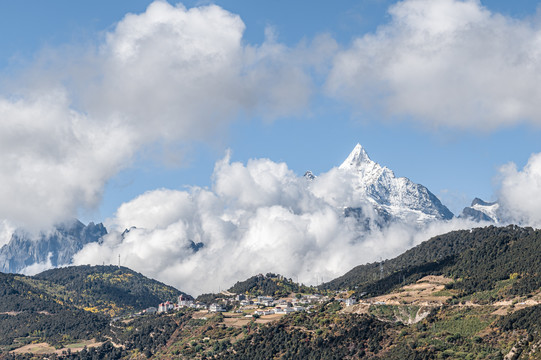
point(107, 289)
point(397, 199)
point(51, 249)
point(29, 313)
point(433, 255)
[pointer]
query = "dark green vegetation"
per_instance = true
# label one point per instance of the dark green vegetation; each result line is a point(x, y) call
point(111, 289)
point(431, 251)
point(479, 258)
point(487, 265)
point(62, 305)
point(269, 285)
point(263, 285)
point(319, 336)
point(29, 314)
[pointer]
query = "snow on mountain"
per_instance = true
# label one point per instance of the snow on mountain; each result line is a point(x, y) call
point(393, 198)
point(483, 211)
point(309, 175)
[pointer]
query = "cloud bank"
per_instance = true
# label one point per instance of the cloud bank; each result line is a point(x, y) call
point(445, 63)
point(258, 217)
point(261, 217)
point(520, 192)
point(166, 75)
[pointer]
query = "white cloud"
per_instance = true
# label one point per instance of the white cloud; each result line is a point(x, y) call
point(53, 159)
point(178, 73)
point(37, 268)
point(446, 62)
point(258, 217)
point(520, 192)
point(167, 75)
point(6, 231)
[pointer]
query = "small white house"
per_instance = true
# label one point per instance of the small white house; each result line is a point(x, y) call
point(216, 308)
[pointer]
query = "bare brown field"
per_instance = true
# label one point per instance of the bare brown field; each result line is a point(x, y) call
point(423, 292)
point(237, 322)
point(44, 348)
point(40, 348)
point(265, 319)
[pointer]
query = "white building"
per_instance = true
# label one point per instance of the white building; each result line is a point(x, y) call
point(166, 306)
point(183, 301)
point(216, 308)
point(285, 310)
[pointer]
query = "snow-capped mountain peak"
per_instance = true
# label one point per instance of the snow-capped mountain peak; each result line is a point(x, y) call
point(397, 197)
point(357, 158)
point(483, 211)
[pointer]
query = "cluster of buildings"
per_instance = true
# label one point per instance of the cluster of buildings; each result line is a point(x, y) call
point(183, 302)
point(262, 305)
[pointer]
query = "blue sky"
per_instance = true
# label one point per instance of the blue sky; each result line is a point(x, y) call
point(457, 163)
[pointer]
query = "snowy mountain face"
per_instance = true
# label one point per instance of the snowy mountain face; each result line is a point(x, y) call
point(50, 249)
point(392, 198)
point(483, 211)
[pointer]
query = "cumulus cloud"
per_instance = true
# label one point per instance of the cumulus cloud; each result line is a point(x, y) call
point(53, 159)
point(258, 217)
point(180, 73)
point(166, 75)
point(520, 191)
point(447, 62)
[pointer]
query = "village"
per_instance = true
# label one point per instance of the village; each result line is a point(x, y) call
point(249, 306)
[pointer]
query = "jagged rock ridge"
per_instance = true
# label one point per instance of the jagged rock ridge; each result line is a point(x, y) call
point(56, 247)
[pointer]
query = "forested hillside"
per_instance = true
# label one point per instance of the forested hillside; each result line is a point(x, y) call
point(436, 249)
point(478, 257)
point(269, 285)
point(62, 305)
point(110, 289)
point(29, 314)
